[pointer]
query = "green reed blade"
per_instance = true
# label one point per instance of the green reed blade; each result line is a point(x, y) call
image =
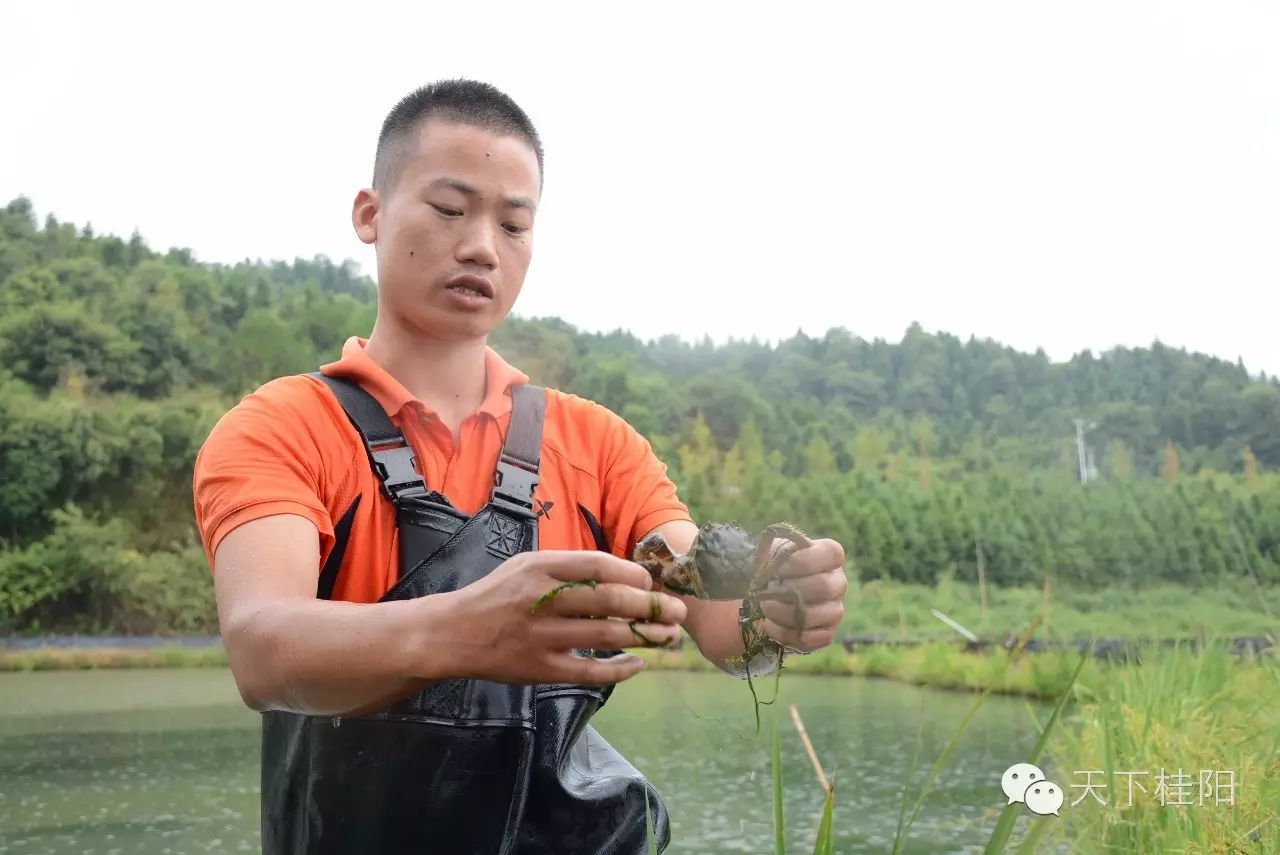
point(942, 760)
point(898, 836)
point(1004, 828)
point(825, 844)
point(1009, 816)
point(1057, 708)
point(1039, 827)
point(945, 756)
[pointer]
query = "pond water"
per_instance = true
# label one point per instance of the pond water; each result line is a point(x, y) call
point(166, 761)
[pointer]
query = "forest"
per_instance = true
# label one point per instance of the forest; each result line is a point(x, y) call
point(924, 457)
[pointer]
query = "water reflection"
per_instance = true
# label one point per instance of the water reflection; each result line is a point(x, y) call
point(694, 736)
point(167, 761)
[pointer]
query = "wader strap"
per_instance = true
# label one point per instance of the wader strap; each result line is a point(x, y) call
point(514, 479)
point(597, 531)
point(516, 476)
point(389, 453)
point(341, 535)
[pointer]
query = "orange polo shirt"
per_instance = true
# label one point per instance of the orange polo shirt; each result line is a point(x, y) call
point(288, 448)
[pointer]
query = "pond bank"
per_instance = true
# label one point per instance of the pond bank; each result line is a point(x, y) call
point(88, 658)
point(949, 666)
point(939, 666)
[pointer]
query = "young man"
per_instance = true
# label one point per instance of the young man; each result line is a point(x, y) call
point(380, 533)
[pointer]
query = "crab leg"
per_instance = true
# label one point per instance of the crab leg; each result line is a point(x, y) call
point(767, 564)
point(761, 576)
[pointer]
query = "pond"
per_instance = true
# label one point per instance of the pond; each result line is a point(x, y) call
point(166, 761)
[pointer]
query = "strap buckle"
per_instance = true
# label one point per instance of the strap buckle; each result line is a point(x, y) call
point(513, 485)
point(394, 466)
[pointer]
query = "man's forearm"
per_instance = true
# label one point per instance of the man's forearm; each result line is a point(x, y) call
point(324, 657)
point(713, 625)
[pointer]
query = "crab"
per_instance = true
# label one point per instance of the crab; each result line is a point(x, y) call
point(726, 563)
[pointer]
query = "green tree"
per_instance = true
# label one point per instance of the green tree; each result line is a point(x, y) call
point(1170, 465)
point(116, 361)
point(700, 461)
point(819, 460)
point(870, 451)
point(1118, 462)
point(1250, 468)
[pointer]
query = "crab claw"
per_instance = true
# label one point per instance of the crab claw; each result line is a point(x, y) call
point(653, 553)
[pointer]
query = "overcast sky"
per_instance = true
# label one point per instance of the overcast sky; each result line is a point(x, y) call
point(1067, 176)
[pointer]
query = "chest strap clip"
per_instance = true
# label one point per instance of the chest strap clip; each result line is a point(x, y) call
point(513, 485)
point(394, 466)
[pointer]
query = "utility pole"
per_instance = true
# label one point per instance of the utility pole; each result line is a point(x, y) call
point(1083, 454)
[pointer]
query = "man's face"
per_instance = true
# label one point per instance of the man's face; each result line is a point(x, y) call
point(454, 231)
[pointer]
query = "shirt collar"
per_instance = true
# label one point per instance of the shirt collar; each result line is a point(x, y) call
point(356, 364)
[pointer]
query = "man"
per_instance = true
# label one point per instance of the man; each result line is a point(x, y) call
point(376, 591)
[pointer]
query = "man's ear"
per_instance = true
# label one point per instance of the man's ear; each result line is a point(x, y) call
point(364, 215)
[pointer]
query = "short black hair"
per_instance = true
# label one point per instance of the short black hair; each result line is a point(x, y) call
point(469, 102)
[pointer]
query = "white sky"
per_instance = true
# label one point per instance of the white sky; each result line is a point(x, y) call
point(1063, 175)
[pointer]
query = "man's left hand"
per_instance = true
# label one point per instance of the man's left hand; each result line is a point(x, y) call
point(816, 573)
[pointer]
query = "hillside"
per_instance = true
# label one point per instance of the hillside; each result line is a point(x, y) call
point(919, 455)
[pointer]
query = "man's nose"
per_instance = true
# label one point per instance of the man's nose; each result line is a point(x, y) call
point(479, 244)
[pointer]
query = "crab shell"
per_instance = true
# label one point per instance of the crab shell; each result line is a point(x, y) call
point(718, 565)
point(724, 555)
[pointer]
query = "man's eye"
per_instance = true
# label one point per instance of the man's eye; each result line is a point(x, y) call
point(515, 230)
point(448, 212)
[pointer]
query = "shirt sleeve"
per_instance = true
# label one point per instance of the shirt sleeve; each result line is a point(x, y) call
point(258, 461)
point(636, 494)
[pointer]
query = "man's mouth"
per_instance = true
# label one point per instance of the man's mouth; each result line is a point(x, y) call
point(470, 285)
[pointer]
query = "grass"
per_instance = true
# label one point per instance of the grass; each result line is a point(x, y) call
point(1180, 714)
point(901, 611)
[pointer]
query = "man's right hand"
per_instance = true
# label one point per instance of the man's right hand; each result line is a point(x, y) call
point(501, 637)
point(291, 651)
